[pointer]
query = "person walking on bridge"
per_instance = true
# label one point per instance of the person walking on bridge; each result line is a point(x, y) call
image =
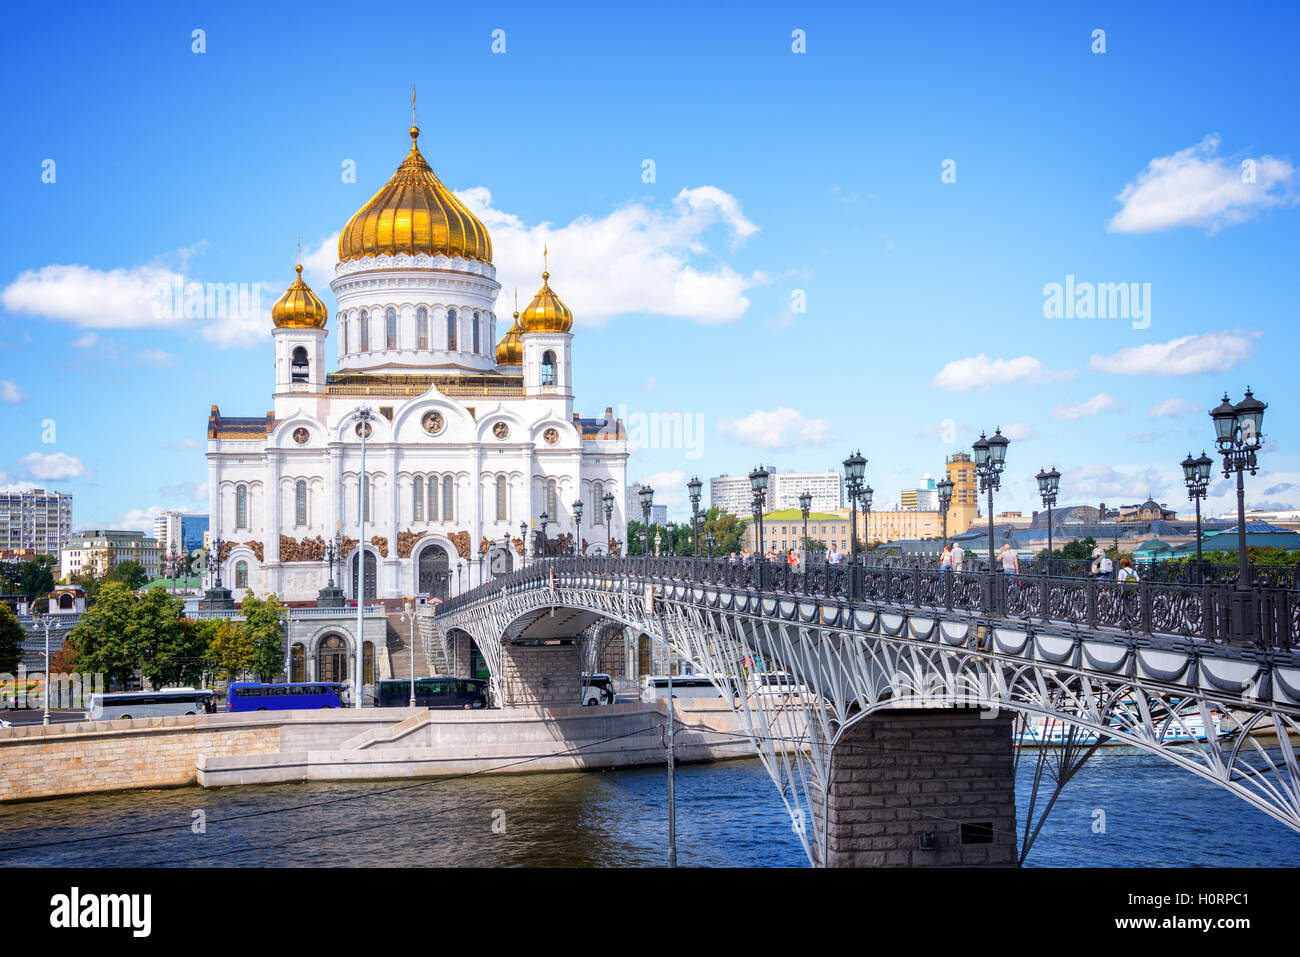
point(833, 556)
point(957, 557)
point(1009, 560)
point(945, 563)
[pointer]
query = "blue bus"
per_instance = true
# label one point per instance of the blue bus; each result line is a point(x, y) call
point(298, 696)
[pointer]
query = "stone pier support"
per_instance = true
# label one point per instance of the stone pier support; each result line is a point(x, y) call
point(546, 674)
point(921, 788)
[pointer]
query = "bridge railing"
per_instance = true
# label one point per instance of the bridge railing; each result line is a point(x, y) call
point(1207, 612)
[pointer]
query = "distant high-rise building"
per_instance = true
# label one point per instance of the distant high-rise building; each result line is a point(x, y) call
point(734, 493)
point(35, 519)
point(179, 529)
point(633, 510)
point(97, 552)
point(924, 499)
point(964, 508)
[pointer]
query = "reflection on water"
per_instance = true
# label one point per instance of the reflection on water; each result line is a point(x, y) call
point(728, 815)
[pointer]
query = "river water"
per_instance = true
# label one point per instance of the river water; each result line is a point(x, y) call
point(728, 815)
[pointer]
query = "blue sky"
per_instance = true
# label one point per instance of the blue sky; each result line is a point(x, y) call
point(780, 177)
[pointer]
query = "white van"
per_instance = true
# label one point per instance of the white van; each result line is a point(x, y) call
point(654, 687)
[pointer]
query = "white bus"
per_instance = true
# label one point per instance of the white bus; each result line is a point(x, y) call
point(597, 689)
point(776, 685)
point(149, 704)
point(654, 687)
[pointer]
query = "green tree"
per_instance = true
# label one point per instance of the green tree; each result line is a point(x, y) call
point(102, 634)
point(131, 574)
point(11, 640)
point(165, 650)
point(1078, 549)
point(231, 649)
point(265, 618)
point(90, 585)
point(727, 528)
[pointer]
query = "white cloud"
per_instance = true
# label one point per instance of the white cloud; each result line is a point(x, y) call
point(1174, 409)
point(155, 357)
point(1090, 484)
point(1144, 437)
point(1194, 187)
point(1019, 431)
point(1073, 411)
point(635, 259)
point(10, 392)
point(979, 372)
point(188, 444)
point(143, 297)
point(137, 519)
point(56, 465)
point(779, 429)
point(1189, 355)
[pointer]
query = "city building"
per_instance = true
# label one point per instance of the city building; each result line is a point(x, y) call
point(783, 530)
point(179, 529)
point(924, 499)
point(734, 493)
point(468, 437)
point(887, 525)
point(96, 552)
point(632, 506)
point(35, 519)
point(964, 508)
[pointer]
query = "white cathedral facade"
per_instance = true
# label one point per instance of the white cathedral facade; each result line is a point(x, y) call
point(471, 440)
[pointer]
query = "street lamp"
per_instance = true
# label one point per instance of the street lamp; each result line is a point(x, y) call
point(409, 614)
point(608, 499)
point(855, 467)
point(365, 415)
point(693, 488)
point(805, 504)
point(577, 524)
point(546, 520)
point(758, 484)
point(647, 496)
point(523, 537)
point(1049, 483)
point(1196, 476)
point(990, 460)
point(865, 494)
point(945, 499)
point(708, 540)
point(1239, 435)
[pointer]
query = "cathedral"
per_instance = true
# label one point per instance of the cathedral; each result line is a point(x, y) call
point(474, 458)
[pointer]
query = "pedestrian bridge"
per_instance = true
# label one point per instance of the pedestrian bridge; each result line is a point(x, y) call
point(893, 741)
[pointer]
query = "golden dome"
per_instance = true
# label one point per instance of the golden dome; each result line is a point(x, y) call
point(414, 213)
point(510, 350)
point(299, 307)
point(546, 313)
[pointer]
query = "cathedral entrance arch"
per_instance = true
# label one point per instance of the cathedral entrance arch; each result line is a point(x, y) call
point(332, 659)
point(433, 572)
point(371, 588)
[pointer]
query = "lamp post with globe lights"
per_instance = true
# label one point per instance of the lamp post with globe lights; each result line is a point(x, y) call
point(1196, 476)
point(758, 485)
point(1049, 483)
point(1239, 435)
point(577, 525)
point(693, 488)
point(990, 460)
point(608, 500)
point(855, 466)
point(647, 497)
point(944, 488)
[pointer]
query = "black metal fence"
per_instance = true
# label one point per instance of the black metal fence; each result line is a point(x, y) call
point(1261, 616)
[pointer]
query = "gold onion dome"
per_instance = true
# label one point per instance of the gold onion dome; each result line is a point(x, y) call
point(299, 307)
point(510, 350)
point(414, 213)
point(546, 313)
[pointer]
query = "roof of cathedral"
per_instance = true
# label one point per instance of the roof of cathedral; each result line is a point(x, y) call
point(597, 429)
point(546, 313)
point(299, 307)
point(241, 427)
point(510, 350)
point(415, 213)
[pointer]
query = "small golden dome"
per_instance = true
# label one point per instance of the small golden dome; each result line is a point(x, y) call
point(546, 313)
point(414, 213)
point(299, 307)
point(510, 350)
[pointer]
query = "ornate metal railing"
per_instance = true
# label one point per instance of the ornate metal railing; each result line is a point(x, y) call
point(1193, 611)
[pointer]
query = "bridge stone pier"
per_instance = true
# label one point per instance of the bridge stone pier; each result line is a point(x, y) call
point(546, 673)
point(920, 788)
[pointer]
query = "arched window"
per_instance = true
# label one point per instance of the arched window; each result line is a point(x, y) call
point(241, 506)
point(551, 501)
point(598, 503)
point(433, 498)
point(476, 347)
point(417, 498)
point(241, 574)
point(390, 328)
point(548, 368)
point(364, 319)
point(501, 499)
point(367, 489)
point(298, 365)
point(422, 328)
point(368, 663)
point(451, 330)
point(447, 515)
point(300, 503)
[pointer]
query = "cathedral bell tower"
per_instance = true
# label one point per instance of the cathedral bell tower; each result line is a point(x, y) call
point(299, 334)
point(547, 343)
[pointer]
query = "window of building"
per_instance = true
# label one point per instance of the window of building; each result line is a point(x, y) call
point(241, 506)
point(551, 501)
point(598, 503)
point(447, 515)
point(367, 489)
point(548, 368)
point(417, 498)
point(501, 499)
point(451, 330)
point(422, 328)
point(390, 328)
point(300, 503)
point(364, 319)
point(476, 334)
point(241, 574)
point(433, 498)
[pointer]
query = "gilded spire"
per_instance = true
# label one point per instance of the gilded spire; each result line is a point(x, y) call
point(299, 307)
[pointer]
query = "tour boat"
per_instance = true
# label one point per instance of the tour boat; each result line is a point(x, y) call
point(1038, 731)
